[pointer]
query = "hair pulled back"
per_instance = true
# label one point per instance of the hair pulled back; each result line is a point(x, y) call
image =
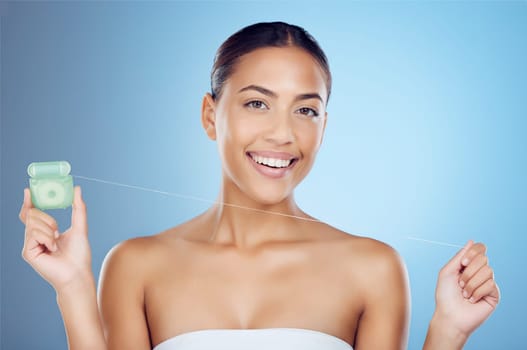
point(261, 35)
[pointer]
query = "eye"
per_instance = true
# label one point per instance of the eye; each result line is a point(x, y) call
point(308, 112)
point(256, 104)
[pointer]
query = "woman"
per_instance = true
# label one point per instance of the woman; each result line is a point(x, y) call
point(253, 271)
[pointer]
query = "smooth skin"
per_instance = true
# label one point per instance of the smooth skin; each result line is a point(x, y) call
point(238, 268)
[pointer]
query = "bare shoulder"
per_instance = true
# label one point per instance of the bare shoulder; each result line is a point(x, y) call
point(140, 253)
point(380, 273)
point(376, 277)
point(377, 258)
point(126, 272)
point(131, 254)
point(381, 257)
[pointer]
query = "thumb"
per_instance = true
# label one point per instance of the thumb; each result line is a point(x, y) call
point(78, 212)
point(26, 205)
point(454, 265)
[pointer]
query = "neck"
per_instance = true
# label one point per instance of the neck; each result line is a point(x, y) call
point(241, 221)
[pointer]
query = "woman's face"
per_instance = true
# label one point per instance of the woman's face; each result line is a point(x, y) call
point(269, 121)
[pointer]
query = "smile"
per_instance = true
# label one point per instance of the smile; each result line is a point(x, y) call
point(272, 164)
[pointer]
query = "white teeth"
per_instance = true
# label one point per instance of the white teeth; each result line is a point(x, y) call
point(273, 162)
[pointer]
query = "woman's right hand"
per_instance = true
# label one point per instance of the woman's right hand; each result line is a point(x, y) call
point(61, 259)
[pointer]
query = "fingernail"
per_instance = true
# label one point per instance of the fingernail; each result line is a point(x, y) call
point(464, 262)
point(465, 294)
point(57, 234)
point(461, 284)
point(471, 300)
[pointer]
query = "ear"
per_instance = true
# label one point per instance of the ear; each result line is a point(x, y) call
point(208, 116)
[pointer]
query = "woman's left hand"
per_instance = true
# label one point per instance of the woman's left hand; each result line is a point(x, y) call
point(466, 293)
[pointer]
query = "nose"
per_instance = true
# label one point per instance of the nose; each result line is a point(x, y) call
point(281, 130)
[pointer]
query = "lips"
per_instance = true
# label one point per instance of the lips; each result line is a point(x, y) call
point(272, 164)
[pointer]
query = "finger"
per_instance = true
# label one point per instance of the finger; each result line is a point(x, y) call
point(476, 249)
point(78, 213)
point(488, 291)
point(483, 275)
point(35, 224)
point(26, 205)
point(36, 239)
point(453, 266)
point(475, 265)
point(36, 215)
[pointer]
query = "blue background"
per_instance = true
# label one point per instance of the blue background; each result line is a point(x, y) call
point(426, 134)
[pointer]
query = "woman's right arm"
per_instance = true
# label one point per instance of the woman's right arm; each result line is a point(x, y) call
point(64, 260)
point(122, 296)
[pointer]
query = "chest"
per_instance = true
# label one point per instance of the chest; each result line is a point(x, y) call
point(303, 290)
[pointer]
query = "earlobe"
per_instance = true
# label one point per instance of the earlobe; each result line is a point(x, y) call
point(208, 116)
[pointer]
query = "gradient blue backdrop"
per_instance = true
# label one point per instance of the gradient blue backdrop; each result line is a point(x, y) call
point(426, 133)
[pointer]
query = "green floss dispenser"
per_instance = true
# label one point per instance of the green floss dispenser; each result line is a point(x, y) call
point(51, 184)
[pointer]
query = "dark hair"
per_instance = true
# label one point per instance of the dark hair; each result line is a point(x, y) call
point(260, 35)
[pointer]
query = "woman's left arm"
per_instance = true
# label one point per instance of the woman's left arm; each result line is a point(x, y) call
point(466, 295)
point(383, 324)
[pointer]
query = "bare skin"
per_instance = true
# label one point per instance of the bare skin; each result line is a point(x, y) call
point(236, 268)
point(262, 285)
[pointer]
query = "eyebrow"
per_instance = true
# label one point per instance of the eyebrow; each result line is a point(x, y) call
point(270, 93)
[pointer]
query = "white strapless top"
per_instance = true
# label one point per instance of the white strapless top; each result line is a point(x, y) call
point(254, 339)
